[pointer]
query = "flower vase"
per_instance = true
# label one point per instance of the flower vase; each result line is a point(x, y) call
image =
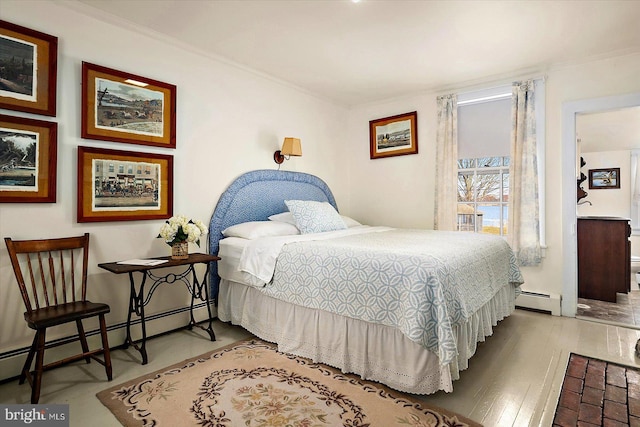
point(180, 250)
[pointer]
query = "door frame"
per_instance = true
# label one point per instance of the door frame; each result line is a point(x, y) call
point(569, 176)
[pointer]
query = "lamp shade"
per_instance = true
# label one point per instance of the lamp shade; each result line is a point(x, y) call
point(291, 147)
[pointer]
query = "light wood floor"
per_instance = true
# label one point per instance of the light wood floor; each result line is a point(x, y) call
point(625, 311)
point(513, 380)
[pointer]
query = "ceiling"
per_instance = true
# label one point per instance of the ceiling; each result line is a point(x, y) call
point(614, 130)
point(354, 53)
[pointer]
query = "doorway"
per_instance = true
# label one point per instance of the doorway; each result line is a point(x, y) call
point(605, 141)
point(572, 113)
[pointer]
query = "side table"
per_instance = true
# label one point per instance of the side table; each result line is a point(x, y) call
point(138, 299)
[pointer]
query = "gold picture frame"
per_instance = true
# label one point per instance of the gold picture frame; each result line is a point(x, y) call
point(116, 185)
point(124, 107)
point(29, 150)
point(393, 136)
point(29, 61)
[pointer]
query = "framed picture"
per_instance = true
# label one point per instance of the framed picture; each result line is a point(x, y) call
point(393, 136)
point(604, 178)
point(28, 160)
point(28, 69)
point(123, 107)
point(115, 185)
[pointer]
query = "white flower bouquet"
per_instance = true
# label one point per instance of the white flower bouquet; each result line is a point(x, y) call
point(179, 229)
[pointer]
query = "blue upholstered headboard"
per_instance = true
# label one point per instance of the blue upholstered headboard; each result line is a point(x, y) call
point(256, 195)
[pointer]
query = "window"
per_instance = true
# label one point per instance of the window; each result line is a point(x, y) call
point(484, 133)
point(483, 194)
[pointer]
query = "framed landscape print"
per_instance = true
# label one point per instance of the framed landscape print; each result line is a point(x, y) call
point(28, 160)
point(393, 136)
point(115, 185)
point(604, 178)
point(122, 107)
point(28, 69)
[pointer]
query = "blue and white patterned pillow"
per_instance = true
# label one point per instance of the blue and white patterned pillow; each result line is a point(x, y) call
point(314, 217)
point(288, 218)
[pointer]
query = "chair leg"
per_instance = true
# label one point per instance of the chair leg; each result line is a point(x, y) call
point(83, 340)
point(27, 363)
point(37, 376)
point(105, 347)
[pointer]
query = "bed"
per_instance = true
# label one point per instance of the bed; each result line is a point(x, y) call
point(402, 307)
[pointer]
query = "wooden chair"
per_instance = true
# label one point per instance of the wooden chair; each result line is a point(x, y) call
point(55, 295)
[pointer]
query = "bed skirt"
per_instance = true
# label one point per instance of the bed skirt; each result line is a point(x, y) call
point(372, 351)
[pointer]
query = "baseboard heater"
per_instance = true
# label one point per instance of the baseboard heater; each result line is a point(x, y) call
point(542, 302)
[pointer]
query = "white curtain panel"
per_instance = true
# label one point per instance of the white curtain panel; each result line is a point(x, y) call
point(524, 222)
point(635, 190)
point(446, 211)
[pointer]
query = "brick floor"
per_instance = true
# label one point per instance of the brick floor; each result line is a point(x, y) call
point(598, 393)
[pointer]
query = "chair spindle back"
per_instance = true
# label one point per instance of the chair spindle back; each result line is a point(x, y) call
point(56, 270)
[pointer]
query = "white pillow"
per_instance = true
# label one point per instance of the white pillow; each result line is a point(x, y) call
point(349, 222)
point(288, 218)
point(257, 229)
point(314, 217)
point(283, 217)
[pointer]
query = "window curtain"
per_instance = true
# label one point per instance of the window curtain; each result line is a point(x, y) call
point(635, 191)
point(523, 233)
point(446, 202)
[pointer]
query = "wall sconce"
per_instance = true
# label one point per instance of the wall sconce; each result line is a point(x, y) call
point(290, 147)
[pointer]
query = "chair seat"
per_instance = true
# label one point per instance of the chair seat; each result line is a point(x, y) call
point(63, 313)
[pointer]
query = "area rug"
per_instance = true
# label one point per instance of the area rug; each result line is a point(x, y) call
point(251, 384)
point(597, 392)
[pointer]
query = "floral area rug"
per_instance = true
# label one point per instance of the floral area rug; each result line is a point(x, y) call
point(251, 384)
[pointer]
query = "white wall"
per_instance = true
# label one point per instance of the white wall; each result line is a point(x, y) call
point(229, 121)
point(400, 191)
point(610, 201)
point(395, 191)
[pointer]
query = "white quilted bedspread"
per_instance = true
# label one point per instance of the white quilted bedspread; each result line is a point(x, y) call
point(421, 282)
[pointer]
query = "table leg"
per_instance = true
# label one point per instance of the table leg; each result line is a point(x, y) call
point(136, 305)
point(209, 329)
point(199, 288)
point(132, 292)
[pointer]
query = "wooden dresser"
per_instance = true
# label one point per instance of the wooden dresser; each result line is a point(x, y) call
point(604, 257)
